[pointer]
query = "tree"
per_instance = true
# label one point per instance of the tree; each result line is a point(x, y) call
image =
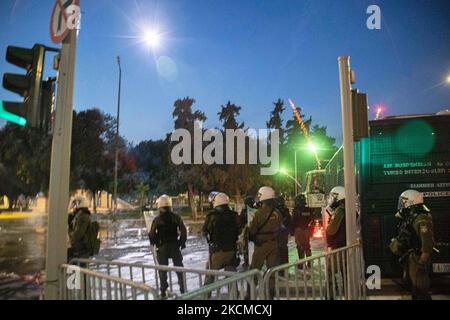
point(228, 116)
point(238, 179)
point(25, 157)
point(275, 121)
point(142, 192)
point(24, 161)
point(153, 165)
point(93, 154)
point(325, 144)
point(279, 182)
point(187, 174)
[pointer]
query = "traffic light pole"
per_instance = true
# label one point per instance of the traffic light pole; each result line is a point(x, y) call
point(349, 168)
point(60, 168)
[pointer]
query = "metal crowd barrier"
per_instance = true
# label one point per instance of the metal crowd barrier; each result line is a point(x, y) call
point(241, 286)
point(76, 283)
point(336, 275)
point(148, 274)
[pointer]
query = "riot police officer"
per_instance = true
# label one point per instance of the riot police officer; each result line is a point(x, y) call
point(336, 237)
point(83, 232)
point(414, 242)
point(211, 197)
point(168, 234)
point(264, 231)
point(302, 217)
point(249, 203)
point(221, 229)
point(285, 230)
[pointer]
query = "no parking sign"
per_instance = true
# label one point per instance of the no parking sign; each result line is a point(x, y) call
point(65, 17)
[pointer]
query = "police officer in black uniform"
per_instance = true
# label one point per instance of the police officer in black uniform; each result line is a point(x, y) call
point(285, 230)
point(221, 229)
point(302, 218)
point(243, 229)
point(168, 234)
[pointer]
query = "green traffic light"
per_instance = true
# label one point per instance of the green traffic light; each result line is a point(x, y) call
point(11, 117)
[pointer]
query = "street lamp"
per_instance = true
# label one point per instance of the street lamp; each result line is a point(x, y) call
point(311, 147)
point(116, 161)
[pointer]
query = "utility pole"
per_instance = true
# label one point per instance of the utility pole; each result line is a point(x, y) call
point(56, 253)
point(116, 162)
point(349, 168)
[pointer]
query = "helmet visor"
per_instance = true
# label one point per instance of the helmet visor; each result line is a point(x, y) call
point(333, 198)
point(402, 203)
point(212, 196)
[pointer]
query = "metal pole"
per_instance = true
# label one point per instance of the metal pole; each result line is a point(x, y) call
point(297, 184)
point(349, 157)
point(56, 254)
point(296, 178)
point(116, 164)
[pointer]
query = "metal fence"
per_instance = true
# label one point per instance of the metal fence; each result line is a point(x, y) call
point(241, 286)
point(337, 275)
point(76, 283)
point(148, 274)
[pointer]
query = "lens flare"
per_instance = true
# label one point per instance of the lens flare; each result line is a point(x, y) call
point(152, 39)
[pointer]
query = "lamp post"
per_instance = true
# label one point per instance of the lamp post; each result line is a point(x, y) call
point(116, 164)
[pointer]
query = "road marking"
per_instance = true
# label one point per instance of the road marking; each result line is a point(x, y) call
point(17, 216)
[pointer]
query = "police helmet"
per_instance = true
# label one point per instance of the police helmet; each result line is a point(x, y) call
point(221, 199)
point(410, 198)
point(164, 201)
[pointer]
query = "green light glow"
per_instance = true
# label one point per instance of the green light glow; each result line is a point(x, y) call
point(415, 137)
point(11, 117)
point(312, 147)
point(283, 171)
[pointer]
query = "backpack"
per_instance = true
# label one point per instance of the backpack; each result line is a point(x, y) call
point(93, 237)
point(225, 231)
point(167, 229)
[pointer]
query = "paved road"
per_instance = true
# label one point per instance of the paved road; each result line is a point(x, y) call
point(22, 245)
point(22, 252)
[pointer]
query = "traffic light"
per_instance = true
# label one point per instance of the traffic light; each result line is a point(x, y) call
point(29, 86)
point(48, 104)
point(360, 115)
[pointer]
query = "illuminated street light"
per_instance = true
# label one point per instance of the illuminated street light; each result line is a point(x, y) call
point(312, 147)
point(448, 79)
